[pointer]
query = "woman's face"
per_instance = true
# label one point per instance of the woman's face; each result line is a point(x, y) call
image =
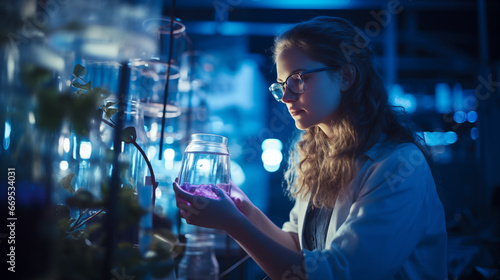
point(321, 97)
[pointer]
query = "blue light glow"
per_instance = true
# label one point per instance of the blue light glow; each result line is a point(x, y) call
point(271, 168)
point(237, 174)
point(427, 102)
point(398, 97)
point(443, 98)
point(75, 150)
point(450, 137)
point(63, 165)
point(460, 117)
point(158, 193)
point(85, 149)
point(8, 129)
point(458, 97)
point(151, 151)
point(298, 4)
point(272, 157)
point(438, 138)
point(6, 135)
point(474, 133)
point(429, 139)
point(271, 154)
point(472, 116)
point(66, 145)
point(272, 144)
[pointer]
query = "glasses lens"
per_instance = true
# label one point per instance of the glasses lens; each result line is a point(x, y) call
point(295, 84)
point(277, 91)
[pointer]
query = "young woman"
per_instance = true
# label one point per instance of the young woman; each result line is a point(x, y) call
point(366, 205)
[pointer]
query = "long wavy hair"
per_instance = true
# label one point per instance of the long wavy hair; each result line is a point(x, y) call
point(320, 167)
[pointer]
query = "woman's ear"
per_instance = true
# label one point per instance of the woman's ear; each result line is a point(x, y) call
point(348, 74)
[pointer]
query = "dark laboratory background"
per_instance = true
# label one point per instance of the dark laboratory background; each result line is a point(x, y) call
point(439, 59)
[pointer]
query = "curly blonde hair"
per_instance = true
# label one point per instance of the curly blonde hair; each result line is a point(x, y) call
point(320, 167)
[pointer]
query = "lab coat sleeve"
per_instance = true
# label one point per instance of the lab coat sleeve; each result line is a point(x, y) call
point(384, 223)
point(292, 224)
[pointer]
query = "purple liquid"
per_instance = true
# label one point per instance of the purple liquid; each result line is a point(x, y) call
point(206, 190)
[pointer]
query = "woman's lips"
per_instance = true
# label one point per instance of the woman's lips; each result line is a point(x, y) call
point(296, 112)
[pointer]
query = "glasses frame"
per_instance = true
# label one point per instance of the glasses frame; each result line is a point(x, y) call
point(283, 84)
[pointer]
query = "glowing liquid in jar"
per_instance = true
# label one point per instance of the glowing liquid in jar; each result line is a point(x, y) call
point(203, 168)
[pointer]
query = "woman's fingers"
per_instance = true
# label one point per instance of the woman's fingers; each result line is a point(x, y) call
point(218, 191)
point(180, 200)
point(187, 212)
point(183, 213)
point(181, 194)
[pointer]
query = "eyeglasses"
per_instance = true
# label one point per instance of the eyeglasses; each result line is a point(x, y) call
point(293, 83)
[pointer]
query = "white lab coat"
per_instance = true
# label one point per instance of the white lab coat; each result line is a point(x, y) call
point(390, 225)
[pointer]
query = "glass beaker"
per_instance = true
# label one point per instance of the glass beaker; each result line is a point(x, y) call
point(161, 28)
point(199, 261)
point(205, 164)
point(148, 79)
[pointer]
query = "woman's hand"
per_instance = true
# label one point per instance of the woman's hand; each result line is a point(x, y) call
point(220, 213)
point(241, 201)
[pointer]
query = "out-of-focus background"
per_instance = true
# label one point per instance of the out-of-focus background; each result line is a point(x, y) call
point(440, 60)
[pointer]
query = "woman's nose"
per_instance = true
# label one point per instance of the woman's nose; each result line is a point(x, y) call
point(288, 96)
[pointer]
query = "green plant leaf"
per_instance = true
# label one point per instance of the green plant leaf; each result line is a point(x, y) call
point(51, 109)
point(80, 234)
point(83, 199)
point(79, 70)
point(92, 228)
point(131, 182)
point(128, 209)
point(86, 86)
point(80, 92)
point(109, 103)
point(35, 76)
point(81, 112)
point(66, 182)
point(127, 254)
point(110, 112)
point(128, 134)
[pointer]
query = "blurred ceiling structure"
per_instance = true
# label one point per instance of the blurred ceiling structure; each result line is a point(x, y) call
point(329, 4)
point(416, 40)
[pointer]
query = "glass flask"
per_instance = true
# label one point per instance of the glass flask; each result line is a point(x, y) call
point(199, 261)
point(134, 170)
point(205, 164)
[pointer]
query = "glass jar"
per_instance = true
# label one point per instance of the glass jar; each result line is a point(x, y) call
point(205, 164)
point(199, 261)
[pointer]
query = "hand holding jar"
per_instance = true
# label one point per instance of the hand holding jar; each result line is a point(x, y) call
point(216, 210)
point(204, 185)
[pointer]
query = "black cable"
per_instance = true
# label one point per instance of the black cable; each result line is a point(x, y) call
point(165, 95)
